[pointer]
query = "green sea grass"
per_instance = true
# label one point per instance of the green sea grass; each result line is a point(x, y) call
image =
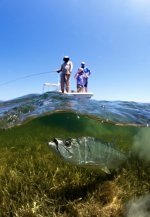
point(34, 182)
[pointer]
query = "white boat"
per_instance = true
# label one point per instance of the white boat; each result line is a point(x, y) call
point(49, 86)
point(80, 94)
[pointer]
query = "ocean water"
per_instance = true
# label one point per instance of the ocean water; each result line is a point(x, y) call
point(29, 123)
point(14, 112)
point(123, 124)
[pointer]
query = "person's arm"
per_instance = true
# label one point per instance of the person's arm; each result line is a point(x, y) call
point(75, 76)
point(71, 66)
point(59, 70)
point(77, 73)
point(87, 72)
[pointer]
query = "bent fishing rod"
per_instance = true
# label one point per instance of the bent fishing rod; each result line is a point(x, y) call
point(24, 77)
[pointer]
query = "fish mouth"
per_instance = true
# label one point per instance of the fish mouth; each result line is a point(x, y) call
point(54, 143)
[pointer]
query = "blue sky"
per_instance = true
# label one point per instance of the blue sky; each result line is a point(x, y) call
point(111, 36)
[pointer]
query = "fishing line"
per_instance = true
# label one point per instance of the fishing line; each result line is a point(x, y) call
point(24, 77)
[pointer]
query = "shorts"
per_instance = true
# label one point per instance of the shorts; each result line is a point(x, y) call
point(79, 86)
point(65, 78)
point(86, 82)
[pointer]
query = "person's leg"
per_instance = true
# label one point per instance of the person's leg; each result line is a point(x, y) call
point(85, 89)
point(85, 85)
point(79, 88)
point(62, 83)
point(67, 78)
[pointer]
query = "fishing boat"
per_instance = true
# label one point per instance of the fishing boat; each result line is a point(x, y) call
point(47, 87)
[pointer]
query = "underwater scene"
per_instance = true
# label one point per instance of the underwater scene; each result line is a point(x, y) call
point(69, 157)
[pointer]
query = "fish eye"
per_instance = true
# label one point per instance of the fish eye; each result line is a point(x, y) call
point(67, 143)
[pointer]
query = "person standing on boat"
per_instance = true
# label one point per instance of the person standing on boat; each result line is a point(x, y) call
point(87, 73)
point(66, 69)
point(80, 80)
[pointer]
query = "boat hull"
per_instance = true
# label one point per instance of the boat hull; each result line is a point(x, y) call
point(82, 95)
point(79, 95)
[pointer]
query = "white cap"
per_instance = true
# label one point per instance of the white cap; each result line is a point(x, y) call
point(66, 58)
point(82, 63)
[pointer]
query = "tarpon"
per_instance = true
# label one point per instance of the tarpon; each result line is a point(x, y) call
point(89, 152)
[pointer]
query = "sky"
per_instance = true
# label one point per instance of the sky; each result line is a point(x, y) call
point(112, 37)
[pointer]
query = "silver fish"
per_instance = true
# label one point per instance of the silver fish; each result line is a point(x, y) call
point(89, 152)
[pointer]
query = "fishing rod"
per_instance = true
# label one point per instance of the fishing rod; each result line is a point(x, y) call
point(24, 77)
